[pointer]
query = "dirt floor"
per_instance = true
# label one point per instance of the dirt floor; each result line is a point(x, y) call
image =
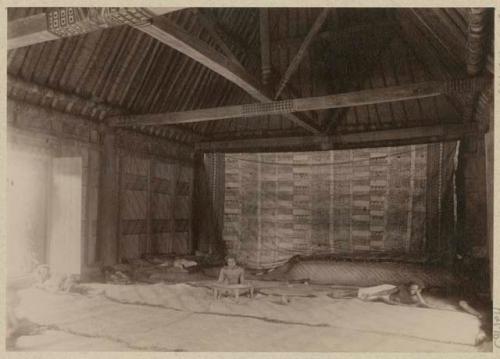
point(186, 317)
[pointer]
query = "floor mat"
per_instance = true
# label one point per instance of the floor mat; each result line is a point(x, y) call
point(144, 326)
point(429, 324)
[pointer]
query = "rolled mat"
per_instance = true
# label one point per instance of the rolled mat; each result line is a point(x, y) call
point(364, 274)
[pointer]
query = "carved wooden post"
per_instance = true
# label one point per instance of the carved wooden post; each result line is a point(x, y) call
point(109, 200)
point(265, 51)
point(197, 205)
point(476, 40)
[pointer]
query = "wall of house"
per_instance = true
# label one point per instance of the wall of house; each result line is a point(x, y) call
point(27, 181)
point(393, 200)
point(35, 137)
point(155, 197)
point(154, 186)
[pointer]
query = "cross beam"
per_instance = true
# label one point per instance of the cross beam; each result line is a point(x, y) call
point(297, 59)
point(350, 99)
point(177, 38)
point(383, 138)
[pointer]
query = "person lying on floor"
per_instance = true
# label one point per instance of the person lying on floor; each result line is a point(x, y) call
point(408, 294)
point(232, 273)
point(55, 282)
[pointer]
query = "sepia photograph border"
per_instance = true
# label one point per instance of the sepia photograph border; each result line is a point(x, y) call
point(252, 3)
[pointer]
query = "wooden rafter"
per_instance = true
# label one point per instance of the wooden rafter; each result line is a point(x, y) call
point(297, 59)
point(211, 25)
point(350, 99)
point(435, 34)
point(177, 38)
point(334, 37)
point(476, 56)
point(18, 89)
point(383, 138)
point(44, 26)
point(367, 70)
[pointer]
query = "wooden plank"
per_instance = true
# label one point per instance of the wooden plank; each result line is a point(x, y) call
point(350, 99)
point(211, 25)
point(174, 36)
point(35, 29)
point(383, 138)
point(294, 64)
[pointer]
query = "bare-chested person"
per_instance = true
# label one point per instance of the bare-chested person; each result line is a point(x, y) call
point(232, 273)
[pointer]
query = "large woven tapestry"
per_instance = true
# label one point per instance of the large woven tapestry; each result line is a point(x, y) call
point(393, 200)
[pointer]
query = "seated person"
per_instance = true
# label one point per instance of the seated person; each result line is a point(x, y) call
point(409, 294)
point(232, 273)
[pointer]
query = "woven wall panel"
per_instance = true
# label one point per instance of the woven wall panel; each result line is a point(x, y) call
point(156, 206)
point(282, 204)
point(130, 245)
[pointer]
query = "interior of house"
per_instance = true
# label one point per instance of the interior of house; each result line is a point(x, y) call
point(249, 179)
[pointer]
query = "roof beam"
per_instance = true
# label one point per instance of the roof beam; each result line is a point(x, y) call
point(350, 99)
point(395, 137)
point(210, 24)
point(20, 90)
point(297, 59)
point(476, 40)
point(363, 77)
point(177, 38)
point(49, 26)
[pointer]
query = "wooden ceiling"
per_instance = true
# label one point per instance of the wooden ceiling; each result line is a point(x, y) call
point(193, 59)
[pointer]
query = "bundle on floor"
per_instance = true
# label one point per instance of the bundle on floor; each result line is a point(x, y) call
point(362, 274)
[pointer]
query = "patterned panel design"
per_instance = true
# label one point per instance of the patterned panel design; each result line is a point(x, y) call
point(366, 200)
point(156, 206)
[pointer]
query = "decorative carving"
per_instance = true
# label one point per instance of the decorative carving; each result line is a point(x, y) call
point(466, 86)
point(483, 109)
point(70, 21)
point(276, 107)
point(476, 39)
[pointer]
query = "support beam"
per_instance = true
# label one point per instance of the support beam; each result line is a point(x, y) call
point(294, 64)
point(210, 24)
point(397, 137)
point(71, 21)
point(476, 40)
point(359, 98)
point(18, 89)
point(177, 38)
